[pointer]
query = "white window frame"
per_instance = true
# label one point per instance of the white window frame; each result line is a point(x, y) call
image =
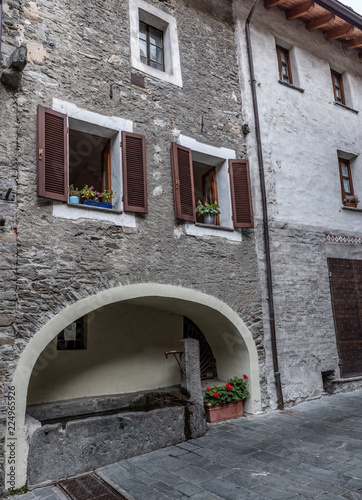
point(139, 10)
point(109, 127)
point(217, 157)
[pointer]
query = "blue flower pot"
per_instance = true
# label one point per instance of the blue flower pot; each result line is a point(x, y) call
point(91, 203)
point(73, 199)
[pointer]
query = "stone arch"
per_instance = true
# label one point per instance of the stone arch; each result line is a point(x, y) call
point(227, 331)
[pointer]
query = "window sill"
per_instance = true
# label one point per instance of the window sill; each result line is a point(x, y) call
point(206, 230)
point(347, 379)
point(291, 86)
point(214, 226)
point(75, 212)
point(346, 107)
point(92, 208)
point(351, 208)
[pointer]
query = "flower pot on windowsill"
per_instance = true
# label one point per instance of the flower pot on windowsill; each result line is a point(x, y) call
point(218, 413)
point(210, 219)
point(73, 199)
point(352, 205)
point(91, 203)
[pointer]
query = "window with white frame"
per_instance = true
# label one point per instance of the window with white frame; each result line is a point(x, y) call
point(79, 147)
point(206, 173)
point(154, 42)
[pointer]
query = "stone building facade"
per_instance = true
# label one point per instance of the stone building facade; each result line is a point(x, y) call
point(128, 278)
point(134, 276)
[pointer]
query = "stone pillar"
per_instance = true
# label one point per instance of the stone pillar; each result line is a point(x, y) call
point(195, 424)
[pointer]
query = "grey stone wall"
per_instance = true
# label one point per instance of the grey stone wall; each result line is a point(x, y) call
point(303, 309)
point(75, 51)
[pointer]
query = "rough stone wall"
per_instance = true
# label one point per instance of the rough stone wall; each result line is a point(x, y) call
point(303, 313)
point(76, 49)
point(9, 136)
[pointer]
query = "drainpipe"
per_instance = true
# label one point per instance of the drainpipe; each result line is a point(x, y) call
point(265, 211)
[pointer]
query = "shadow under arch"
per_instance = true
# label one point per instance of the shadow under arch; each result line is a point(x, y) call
point(230, 339)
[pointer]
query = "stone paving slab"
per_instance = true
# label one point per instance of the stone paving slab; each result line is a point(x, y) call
point(314, 452)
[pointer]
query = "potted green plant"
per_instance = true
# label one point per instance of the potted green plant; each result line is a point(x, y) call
point(209, 211)
point(74, 194)
point(351, 200)
point(107, 196)
point(88, 193)
point(226, 401)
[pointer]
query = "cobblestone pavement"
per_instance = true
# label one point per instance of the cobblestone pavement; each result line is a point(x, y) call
point(313, 450)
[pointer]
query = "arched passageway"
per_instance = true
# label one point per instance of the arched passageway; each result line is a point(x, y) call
point(162, 308)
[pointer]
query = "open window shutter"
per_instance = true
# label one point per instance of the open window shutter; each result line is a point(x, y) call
point(183, 183)
point(52, 154)
point(134, 172)
point(241, 193)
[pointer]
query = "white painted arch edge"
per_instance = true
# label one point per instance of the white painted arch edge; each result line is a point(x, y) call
point(41, 339)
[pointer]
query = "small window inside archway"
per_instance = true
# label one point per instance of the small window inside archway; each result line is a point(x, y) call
point(208, 368)
point(73, 337)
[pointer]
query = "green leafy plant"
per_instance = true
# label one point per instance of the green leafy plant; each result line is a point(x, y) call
point(88, 193)
point(107, 195)
point(208, 208)
point(352, 198)
point(234, 390)
point(74, 191)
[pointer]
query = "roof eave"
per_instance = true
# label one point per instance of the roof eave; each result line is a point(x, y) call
point(341, 11)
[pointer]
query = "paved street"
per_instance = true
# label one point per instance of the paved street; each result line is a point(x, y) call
point(313, 450)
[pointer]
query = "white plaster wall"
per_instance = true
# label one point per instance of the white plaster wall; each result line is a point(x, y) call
point(301, 132)
point(125, 353)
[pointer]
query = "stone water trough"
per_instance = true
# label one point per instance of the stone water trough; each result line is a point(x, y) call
point(79, 435)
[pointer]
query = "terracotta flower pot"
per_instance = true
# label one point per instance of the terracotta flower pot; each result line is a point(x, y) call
point(353, 205)
point(217, 413)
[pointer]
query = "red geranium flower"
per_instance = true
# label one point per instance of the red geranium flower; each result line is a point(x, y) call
point(208, 388)
point(245, 377)
point(229, 387)
point(216, 394)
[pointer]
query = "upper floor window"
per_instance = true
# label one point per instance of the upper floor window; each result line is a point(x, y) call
point(346, 178)
point(285, 71)
point(200, 175)
point(154, 42)
point(81, 148)
point(337, 82)
point(151, 46)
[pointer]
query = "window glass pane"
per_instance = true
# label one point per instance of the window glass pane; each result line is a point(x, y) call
point(344, 170)
point(285, 70)
point(154, 64)
point(143, 49)
point(153, 52)
point(338, 94)
point(156, 55)
point(346, 186)
point(283, 57)
point(156, 37)
point(142, 31)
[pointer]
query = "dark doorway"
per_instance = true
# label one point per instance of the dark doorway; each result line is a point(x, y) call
point(346, 290)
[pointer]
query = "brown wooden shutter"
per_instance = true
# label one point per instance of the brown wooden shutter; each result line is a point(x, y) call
point(134, 173)
point(241, 193)
point(183, 183)
point(346, 291)
point(52, 154)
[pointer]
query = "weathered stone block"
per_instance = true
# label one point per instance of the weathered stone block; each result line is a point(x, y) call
point(18, 58)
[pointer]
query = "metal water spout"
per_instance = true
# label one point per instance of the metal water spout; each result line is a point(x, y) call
point(174, 353)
